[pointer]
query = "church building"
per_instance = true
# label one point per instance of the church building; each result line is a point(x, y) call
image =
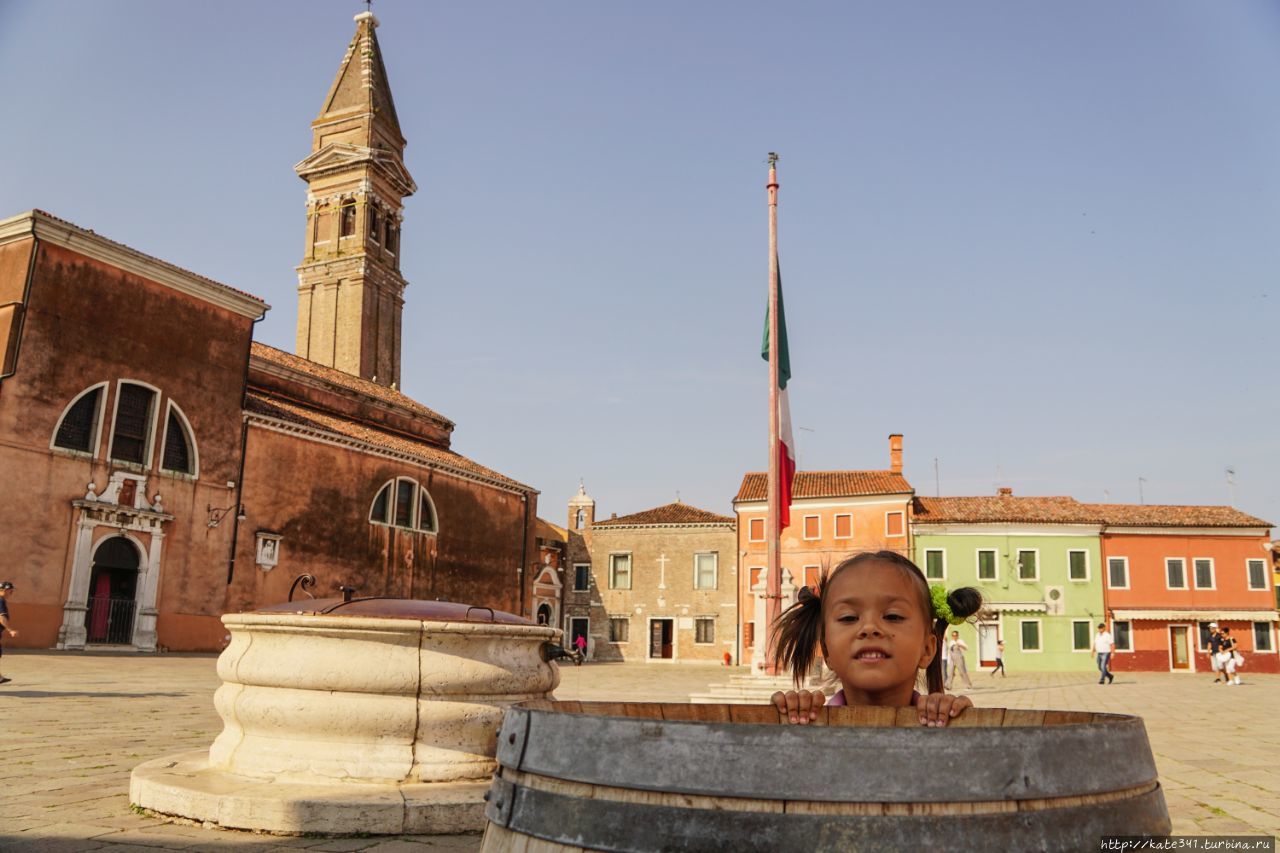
point(162, 468)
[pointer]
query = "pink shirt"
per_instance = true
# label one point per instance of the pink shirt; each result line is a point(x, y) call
point(838, 698)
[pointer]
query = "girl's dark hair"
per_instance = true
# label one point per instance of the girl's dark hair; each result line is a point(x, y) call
point(799, 627)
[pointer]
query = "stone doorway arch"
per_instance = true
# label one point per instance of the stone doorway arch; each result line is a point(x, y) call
point(544, 614)
point(113, 592)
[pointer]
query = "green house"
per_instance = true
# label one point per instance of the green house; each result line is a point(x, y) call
point(1037, 562)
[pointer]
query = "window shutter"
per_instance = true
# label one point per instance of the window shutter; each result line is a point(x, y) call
point(76, 430)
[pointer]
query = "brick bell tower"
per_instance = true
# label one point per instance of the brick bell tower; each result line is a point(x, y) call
point(350, 291)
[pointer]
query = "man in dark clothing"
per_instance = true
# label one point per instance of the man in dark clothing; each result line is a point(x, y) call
point(1215, 646)
point(6, 627)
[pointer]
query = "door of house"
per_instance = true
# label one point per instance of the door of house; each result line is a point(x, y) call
point(988, 636)
point(579, 627)
point(660, 633)
point(1179, 647)
point(113, 587)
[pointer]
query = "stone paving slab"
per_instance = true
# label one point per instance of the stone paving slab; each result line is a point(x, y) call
point(74, 725)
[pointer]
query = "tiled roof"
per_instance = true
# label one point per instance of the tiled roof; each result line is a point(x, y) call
point(828, 484)
point(348, 381)
point(544, 529)
point(1004, 508)
point(1155, 515)
point(1067, 510)
point(676, 513)
point(260, 403)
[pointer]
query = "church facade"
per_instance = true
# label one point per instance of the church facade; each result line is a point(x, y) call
point(163, 468)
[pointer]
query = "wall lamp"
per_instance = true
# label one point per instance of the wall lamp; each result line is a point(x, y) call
point(216, 515)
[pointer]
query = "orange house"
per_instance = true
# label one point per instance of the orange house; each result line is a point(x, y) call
point(833, 514)
point(1171, 570)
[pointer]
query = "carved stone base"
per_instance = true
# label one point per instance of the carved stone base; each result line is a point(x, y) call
point(185, 785)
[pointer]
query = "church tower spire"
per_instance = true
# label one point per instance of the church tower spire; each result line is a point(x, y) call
point(350, 291)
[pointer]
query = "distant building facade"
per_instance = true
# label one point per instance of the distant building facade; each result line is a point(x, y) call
point(655, 586)
point(1036, 561)
point(833, 514)
point(1171, 570)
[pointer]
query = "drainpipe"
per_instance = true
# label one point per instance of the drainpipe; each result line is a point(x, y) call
point(244, 443)
point(524, 551)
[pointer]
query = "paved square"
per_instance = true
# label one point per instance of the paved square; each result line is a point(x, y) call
point(74, 725)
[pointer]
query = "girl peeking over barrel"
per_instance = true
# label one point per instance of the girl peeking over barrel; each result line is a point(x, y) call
point(877, 622)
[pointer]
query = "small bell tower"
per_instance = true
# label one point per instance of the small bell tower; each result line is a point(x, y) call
point(582, 511)
point(350, 291)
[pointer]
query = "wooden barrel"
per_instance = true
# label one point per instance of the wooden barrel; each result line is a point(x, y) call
point(658, 777)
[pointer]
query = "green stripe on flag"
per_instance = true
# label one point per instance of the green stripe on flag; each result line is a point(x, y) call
point(784, 353)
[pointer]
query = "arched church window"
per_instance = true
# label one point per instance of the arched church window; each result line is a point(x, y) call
point(581, 521)
point(403, 503)
point(375, 223)
point(392, 236)
point(78, 427)
point(131, 434)
point(179, 452)
point(347, 218)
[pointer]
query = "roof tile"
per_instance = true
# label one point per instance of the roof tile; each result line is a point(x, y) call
point(1004, 508)
point(1157, 515)
point(675, 513)
point(828, 484)
point(260, 403)
point(348, 381)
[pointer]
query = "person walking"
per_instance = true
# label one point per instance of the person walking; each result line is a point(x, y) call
point(955, 655)
point(6, 627)
point(580, 644)
point(999, 659)
point(1104, 644)
point(1215, 652)
point(1230, 655)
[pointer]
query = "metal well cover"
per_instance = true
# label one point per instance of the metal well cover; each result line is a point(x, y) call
point(397, 608)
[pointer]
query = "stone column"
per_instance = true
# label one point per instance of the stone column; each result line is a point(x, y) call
point(72, 634)
point(144, 630)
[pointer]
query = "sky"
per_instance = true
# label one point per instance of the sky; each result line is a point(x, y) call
point(1040, 240)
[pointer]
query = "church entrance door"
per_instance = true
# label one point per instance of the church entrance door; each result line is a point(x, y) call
point(660, 634)
point(113, 587)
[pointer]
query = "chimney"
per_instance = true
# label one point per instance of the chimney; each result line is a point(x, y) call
point(895, 453)
point(1004, 492)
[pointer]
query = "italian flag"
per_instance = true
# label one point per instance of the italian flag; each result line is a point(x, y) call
point(786, 449)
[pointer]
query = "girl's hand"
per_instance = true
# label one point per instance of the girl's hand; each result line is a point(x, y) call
point(801, 707)
point(937, 708)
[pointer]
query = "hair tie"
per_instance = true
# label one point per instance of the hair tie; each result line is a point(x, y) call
point(806, 594)
point(941, 609)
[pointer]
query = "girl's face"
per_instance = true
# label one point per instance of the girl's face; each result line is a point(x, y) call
point(875, 635)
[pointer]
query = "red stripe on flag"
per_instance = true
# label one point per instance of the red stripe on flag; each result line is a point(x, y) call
point(786, 474)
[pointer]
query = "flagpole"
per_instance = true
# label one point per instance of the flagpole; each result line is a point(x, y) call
point(773, 535)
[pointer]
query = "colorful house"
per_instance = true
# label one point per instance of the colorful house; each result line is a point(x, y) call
point(833, 514)
point(1171, 570)
point(1036, 561)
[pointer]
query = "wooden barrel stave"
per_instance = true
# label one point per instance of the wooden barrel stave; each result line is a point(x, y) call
point(574, 823)
point(680, 777)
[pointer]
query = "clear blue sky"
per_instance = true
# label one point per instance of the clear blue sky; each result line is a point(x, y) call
point(1038, 239)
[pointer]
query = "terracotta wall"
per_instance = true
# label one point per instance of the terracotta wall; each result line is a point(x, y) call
point(87, 322)
point(868, 534)
point(1147, 586)
point(1151, 649)
point(318, 497)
